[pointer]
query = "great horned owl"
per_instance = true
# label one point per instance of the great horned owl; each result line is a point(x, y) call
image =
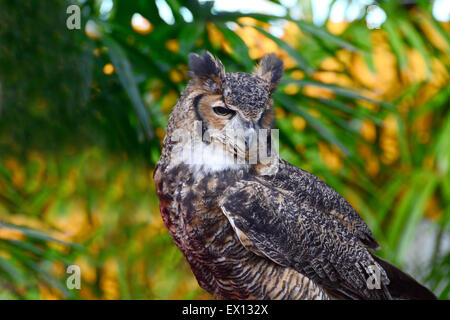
point(254, 230)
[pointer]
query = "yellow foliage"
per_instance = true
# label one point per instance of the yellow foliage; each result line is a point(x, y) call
point(58, 269)
point(92, 30)
point(279, 113)
point(337, 28)
point(226, 46)
point(47, 293)
point(173, 45)
point(405, 104)
point(385, 64)
point(288, 61)
point(390, 125)
point(258, 44)
point(297, 74)
point(169, 101)
point(17, 172)
point(160, 133)
point(25, 221)
point(217, 39)
point(422, 126)
point(292, 34)
point(249, 21)
point(176, 76)
point(388, 140)
point(108, 69)
point(331, 64)
point(109, 279)
point(215, 36)
point(344, 56)
point(11, 234)
point(428, 162)
point(75, 222)
point(318, 92)
point(430, 31)
point(368, 104)
point(141, 25)
point(300, 148)
point(440, 73)
point(291, 89)
point(353, 199)
point(315, 113)
point(117, 188)
point(5, 254)
point(372, 166)
point(330, 156)
point(87, 294)
point(368, 130)
point(361, 71)
point(298, 123)
point(38, 177)
point(88, 272)
point(329, 77)
point(417, 67)
point(433, 209)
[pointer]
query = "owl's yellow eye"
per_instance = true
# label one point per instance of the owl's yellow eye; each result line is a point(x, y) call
point(221, 111)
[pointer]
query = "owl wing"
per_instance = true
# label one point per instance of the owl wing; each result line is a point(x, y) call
point(307, 188)
point(272, 222)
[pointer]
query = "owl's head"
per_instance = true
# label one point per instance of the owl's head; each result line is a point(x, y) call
point(231, 107)
point(235, 99)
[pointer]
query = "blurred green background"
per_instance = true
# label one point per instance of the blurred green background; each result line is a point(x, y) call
point(364, 105)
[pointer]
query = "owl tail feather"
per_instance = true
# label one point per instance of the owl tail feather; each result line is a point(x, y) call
point(403, 286)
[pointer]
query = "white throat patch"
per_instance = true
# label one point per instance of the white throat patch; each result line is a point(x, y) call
point(206, 158)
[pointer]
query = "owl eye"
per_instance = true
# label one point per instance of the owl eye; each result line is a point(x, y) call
point(221, 111)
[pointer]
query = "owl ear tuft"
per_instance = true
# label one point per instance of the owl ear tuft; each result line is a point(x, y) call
point(205, 66)
point(270, 68)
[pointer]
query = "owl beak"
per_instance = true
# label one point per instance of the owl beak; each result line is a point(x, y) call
point(249, 133)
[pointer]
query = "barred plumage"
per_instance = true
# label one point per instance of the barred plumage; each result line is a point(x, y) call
point(253, 233)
